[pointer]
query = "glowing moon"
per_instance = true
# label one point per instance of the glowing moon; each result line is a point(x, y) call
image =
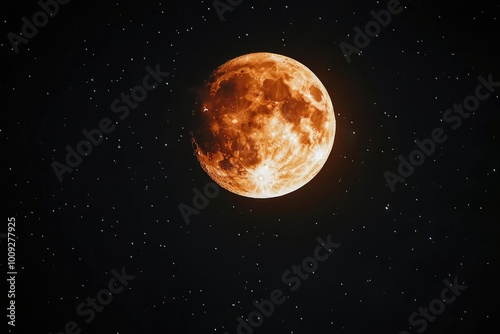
point(265, 127)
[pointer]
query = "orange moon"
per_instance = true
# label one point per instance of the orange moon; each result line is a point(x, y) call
point(265, 126)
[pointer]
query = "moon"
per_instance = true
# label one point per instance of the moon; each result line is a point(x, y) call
point(265, 126)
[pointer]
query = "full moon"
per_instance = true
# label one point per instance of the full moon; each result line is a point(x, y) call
point(265, 126)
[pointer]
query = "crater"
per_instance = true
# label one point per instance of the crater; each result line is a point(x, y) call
point(316, 93)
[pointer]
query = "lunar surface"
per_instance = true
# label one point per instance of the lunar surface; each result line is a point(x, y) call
point(265, 127)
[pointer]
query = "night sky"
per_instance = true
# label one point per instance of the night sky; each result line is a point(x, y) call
point(112, 221)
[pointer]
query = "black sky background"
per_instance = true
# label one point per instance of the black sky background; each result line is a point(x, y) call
point(120, 207)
